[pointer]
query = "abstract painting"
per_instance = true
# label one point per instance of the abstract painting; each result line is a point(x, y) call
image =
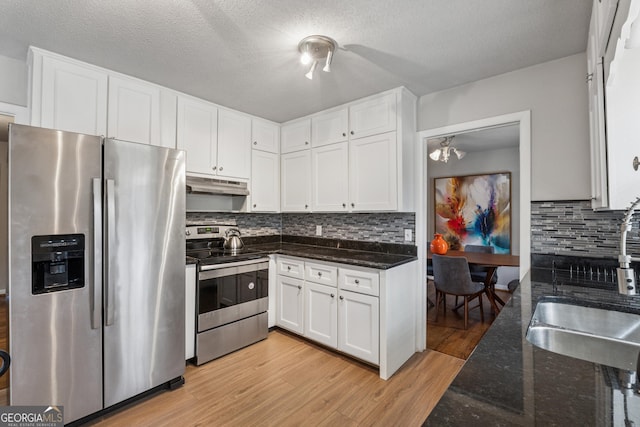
point(474, 210)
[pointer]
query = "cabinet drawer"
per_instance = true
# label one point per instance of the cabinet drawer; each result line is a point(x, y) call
point(321, 273)
point(291, 267)
point(364, 282)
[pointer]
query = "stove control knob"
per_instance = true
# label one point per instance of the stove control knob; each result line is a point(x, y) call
point(188, 232)
point(252, 285)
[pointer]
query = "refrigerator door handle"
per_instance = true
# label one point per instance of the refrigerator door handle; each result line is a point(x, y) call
point(110, 236)
point(96, 306)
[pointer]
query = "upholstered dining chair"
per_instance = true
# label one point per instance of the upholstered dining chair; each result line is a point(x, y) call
point(451, 277)
point(479, 273)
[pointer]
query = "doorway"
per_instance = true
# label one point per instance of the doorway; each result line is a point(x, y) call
point(424, 196)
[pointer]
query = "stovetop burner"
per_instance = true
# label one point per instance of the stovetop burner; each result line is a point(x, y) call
point(206, 244)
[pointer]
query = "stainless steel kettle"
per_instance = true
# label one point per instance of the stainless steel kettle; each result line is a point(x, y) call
point(232, 241)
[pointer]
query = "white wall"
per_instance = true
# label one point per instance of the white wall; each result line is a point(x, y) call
point(556, 94)
point(13, 83)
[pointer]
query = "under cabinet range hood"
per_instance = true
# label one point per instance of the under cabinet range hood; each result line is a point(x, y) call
point(198, 185)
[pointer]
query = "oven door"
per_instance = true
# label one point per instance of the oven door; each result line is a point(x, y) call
point(231, 292)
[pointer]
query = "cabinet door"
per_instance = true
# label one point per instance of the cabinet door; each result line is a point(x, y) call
point(372, 116)
point(290, 304)
point(358, 325)
point(234, 144)
point(134, 111)
point(197, 134)
point(321, 314)
point(329, 127)
point(295, 181)
point(330, 177)
point(373, 174)
point(265, 181)
point(74, 97)
point(295, 136)
point(265, 136)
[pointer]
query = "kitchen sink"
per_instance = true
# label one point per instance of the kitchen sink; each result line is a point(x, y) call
point(597, 335)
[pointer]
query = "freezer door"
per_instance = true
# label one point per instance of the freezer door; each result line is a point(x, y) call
point(144, 330)
point(54, 339)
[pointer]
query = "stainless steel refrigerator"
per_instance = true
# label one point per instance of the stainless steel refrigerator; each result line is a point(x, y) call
point(96, 269)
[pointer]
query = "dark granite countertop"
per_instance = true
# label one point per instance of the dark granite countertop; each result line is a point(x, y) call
point(378, 260)
point(507, 381)
point(381, 256)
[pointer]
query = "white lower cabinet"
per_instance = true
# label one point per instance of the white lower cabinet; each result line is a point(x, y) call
point(290, 304)
point(321, 314)
point(337, 318)
point(358, 321)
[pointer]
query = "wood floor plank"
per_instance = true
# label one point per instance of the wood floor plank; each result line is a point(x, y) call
point(287, 381)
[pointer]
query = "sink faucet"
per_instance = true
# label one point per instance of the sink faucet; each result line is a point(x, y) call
point(626, 275)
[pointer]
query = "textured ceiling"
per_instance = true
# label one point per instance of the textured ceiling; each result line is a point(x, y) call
point(243, 53)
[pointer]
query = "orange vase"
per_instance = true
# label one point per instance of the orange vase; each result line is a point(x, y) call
point(438, 245)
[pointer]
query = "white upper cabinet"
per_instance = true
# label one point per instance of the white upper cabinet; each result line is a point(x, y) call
point(367, 168)
point(265, 181)
point(295, 136)
point(330, 178)
point(373, 173)
point(265, 136)
point(68, 95)
point(329, 127)
point(197, 134)
point(134, 111)
point(604, 12)
point(372, 116)
point(295, 169)
point(234, 144)
point(614, 106)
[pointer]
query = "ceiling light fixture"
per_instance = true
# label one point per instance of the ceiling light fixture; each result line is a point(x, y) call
point(444, 152)
point(314, 49)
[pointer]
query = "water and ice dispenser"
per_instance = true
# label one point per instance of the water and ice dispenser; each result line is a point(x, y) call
point(57, 263)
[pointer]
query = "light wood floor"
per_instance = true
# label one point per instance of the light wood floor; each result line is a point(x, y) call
point(287, 381)
point(448, 335)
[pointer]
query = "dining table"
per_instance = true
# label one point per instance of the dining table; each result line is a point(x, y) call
point(491, 261)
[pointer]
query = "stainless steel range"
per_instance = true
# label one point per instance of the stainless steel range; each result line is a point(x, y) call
point(232, 293)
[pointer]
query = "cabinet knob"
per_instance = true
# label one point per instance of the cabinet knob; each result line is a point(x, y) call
point(332, 295)
point(306, 206)
point(344, 205)
point(254, 205)
point(319, 274)
point(220, 168)
point(306, 143)
point(255, 142)
point(288, 268)
point(299, 287)
point(357, 281)
point(344, 134)
point(352, 133)
point(341, 297)
point(214, 168)
point(589, 77)
point(636, 163)
point(353, 205)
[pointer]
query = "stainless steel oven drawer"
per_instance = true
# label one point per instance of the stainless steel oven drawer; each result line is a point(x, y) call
point(217, 342)
point(216, 318)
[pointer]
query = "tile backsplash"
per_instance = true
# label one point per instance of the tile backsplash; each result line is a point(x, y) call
point(373, 227)
point(573, 228)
